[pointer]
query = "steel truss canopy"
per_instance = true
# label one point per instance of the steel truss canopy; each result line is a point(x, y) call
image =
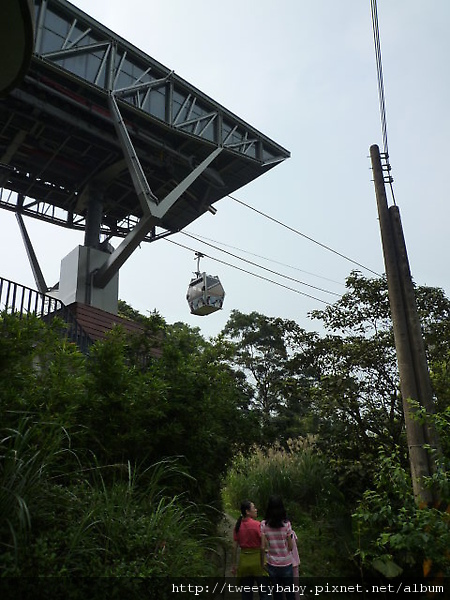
point(95, 116)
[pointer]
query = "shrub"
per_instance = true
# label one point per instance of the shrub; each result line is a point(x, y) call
point(395, 535)
point(29, 461)
point(83, 524)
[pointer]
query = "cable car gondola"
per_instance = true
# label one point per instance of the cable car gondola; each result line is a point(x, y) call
point(205, 293)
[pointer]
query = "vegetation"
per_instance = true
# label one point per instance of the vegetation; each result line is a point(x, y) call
point(394, 535)
point(300, 474)
point(343, 389)
point(119, 463)
point(107, 468)
point(56, 522)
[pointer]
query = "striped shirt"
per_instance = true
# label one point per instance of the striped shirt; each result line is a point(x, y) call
point(278, 553)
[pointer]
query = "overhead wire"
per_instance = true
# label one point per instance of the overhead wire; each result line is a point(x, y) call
point(382, 104)
point(381, 94)
point(201, 239)
point(260, 266)
point(296, 231)
point(277, 262)
point(381, 97)
point(249, 272)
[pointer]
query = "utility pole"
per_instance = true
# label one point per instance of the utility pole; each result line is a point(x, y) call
point(414, 377)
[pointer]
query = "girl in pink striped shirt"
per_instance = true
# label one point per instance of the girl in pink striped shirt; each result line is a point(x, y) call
point(276, 539)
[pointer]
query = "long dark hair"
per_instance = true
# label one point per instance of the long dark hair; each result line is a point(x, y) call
point(245, 506)
point(275, 512)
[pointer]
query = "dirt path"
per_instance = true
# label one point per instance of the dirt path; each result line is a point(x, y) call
point(226, 534)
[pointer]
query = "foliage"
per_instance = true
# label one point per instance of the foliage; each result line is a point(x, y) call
point(205, 419)
point(87, 525)
point(439, 480)
point(269, 351)
point(343, 386)
point(24, 346)
point(186, 403)
point(70, 500)
point(153, 321)
point(357, 400)
point(349, 379)
point(395, 535)
point(301, 476)
point(29, 456)
point(87, 439)
point(298, 473)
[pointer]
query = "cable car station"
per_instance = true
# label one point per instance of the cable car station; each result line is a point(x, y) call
point(95, 135)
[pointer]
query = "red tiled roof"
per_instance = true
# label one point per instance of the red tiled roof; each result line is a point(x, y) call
point(97, 322)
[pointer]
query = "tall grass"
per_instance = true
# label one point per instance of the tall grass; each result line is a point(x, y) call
point(27, 461)
point(130, 527)
point(297, 472)
point(82, 519)
point(300, 474)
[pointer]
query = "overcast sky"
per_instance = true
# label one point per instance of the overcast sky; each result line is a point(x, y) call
point(302, 72)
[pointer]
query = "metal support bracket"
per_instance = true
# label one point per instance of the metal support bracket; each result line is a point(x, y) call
point(37, 272)
point(146, 197)
point(153, 210)
point(165, 205)
point(115, 260)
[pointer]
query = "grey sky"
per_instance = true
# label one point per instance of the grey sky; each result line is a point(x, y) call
point(304, 74)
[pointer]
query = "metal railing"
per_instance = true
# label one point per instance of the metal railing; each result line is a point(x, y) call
point(17, 298)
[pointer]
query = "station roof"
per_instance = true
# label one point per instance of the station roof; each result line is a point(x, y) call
point(57, 137)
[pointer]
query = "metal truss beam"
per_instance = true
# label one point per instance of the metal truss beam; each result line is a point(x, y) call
point(34, 263)
point(153, 210)
point(96, 113)
point(147, 198)
point(117, 259)
point(121, 254)
point(84, 49)
point(166, 204)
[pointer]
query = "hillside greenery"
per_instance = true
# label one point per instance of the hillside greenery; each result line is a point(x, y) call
point(121, 462)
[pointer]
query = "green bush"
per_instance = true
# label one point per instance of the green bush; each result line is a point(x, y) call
point(56, 522)
point(29, 464)
point(395, 535)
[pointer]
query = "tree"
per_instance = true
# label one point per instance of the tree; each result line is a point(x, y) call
point(206, 419)
point(358, 400)
point(434, 312)
point(103, 458)
point(270, 352)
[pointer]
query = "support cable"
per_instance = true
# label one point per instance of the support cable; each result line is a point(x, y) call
point(283, 264)
point(303, 235)
point(381, 97)
point(254, 264)
point(286, 287)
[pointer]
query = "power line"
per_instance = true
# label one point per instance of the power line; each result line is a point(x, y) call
point(202, 237)
point(381, 94)
point(381, 98)
point(260, 266)
point(303, 235)
point(249, 272)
